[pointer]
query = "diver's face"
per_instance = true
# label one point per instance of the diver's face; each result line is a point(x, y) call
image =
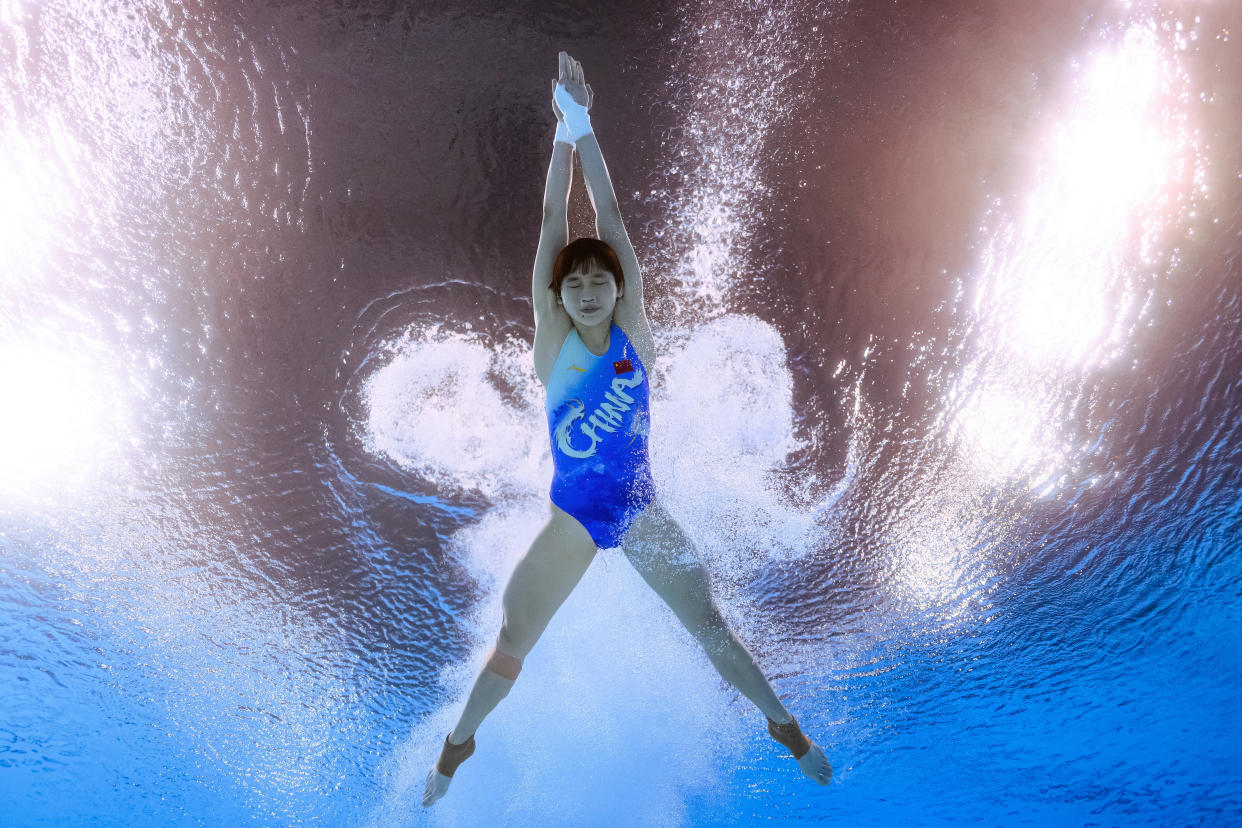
point(589, 295)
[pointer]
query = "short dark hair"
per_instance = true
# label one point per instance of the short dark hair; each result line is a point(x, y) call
point(583, 253)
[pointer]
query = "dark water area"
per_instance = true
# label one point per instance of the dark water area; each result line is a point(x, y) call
point(948, 298)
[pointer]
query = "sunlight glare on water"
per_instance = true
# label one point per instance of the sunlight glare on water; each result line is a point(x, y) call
point(58, 421)
point(945, 400)
point(1005, 430)
point(34, 203)
point(1059, 293)
point(1062, 290)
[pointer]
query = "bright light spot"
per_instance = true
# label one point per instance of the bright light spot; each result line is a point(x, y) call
point(1009, 433)
point(10, 11)
point(1066, 280)
point(1062, 282)
point(939, 565)
point(927, 568)
point(1112, 154)
point(56, 422)
point(1058, 313)
point(35, 199)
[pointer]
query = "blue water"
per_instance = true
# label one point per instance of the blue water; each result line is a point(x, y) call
point(948, 298)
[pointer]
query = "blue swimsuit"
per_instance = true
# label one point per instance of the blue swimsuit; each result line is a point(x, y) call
point(598, 421)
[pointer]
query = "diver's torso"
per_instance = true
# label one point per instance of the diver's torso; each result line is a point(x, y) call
point(597, 408)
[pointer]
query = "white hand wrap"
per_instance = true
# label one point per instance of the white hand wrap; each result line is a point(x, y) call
point(576, 117)
point(562, 134)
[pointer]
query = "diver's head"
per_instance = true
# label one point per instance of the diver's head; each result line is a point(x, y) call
point(587, 280)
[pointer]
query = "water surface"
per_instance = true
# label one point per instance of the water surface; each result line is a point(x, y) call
point(948, 298)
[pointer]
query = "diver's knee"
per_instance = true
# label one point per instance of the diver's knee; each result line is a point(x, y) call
point(503, 664)
point(713, 633)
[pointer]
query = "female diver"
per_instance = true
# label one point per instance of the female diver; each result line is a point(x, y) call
point(593, 354)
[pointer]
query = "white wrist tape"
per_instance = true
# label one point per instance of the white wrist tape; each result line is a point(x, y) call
point(562, 134)
point(576, 116)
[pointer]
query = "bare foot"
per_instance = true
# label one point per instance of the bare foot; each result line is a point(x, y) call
point(437, 785)
point(815, 765)
point(809, 755)
point(451, 756)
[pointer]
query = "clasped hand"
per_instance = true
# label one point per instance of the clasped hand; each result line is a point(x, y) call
point(570, 76)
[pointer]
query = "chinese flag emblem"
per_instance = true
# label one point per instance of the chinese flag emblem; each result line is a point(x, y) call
point(622, 366)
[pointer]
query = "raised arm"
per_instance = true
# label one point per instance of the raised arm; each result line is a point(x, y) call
point(554, 233)
point(608, 223)
point(631, 312)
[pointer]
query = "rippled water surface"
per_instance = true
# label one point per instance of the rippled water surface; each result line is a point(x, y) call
point(948, 298)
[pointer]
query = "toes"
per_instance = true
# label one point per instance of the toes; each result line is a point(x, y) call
point(431, 791)
point(816, 765)
point(823, 774)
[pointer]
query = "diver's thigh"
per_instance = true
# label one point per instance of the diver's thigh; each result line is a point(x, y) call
point(542, 580)
point(663, 554)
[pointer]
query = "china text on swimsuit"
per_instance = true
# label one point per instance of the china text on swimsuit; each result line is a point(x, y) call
point(602, 475)
point(606, 416)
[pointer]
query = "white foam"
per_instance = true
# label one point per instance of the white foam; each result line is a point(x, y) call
point(438, 409)
point(617, 711)
point(617, 697)
point(723, 428)
point(618, 716)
